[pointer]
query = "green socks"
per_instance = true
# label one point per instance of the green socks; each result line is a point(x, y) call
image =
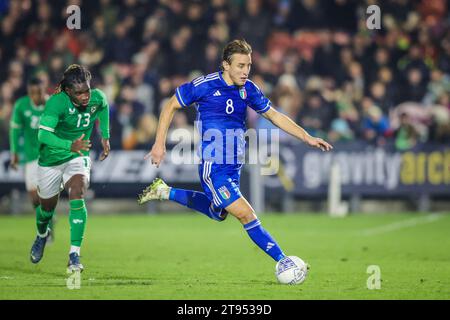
point(77, 219)
point(43, 219)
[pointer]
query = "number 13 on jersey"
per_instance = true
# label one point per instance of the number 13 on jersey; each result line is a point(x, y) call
point(86, 120)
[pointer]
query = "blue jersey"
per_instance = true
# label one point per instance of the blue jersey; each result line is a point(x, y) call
point(221, 115)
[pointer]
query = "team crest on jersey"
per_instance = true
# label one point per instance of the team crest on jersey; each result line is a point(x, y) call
point(71, 110)
point(243, 93)
point(93, 108)
point(224, 193)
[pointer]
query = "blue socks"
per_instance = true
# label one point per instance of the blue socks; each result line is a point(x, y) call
point(197, 201)
point(263, 239)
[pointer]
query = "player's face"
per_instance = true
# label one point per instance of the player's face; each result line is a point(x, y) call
point(239, 69)
point(37, 94)
point(80, 93)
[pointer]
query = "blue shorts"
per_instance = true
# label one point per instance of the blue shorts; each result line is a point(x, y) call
point(220, 182)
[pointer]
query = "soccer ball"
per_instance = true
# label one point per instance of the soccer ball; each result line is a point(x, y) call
point(291, 270)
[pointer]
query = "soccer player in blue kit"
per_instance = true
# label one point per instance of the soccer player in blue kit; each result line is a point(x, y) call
point(221, 99)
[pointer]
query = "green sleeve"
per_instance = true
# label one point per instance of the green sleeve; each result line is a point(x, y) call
point(15, 128)
point(103, 117)
point(50, 139)
point(49, 121)
point(50, 118)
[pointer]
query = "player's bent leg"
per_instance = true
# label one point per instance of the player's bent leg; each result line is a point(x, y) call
point(197, 201)
point(35, 201)
point(49, 185)
point(76, 187)
point(243, 211)
point(44, 214)
point(34, 198)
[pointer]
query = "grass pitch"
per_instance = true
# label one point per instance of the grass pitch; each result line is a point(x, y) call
point(187, 256)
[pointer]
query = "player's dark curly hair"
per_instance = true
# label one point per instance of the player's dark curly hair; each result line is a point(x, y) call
point(235, 46)
point(73, 74)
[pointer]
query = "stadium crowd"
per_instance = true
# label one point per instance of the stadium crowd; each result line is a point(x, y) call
point(316, 60)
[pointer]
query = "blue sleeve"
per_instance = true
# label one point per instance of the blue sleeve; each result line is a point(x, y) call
point(258, 101)
point(187, 94)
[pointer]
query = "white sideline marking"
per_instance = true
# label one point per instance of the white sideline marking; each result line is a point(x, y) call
point(401, 225)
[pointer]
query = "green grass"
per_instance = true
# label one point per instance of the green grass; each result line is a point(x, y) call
point(186, 256)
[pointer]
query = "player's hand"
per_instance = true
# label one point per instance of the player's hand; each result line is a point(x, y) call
point(80, 144)
point(318, 143)
point(106, 149)
point(14, 161)
point(156, 154)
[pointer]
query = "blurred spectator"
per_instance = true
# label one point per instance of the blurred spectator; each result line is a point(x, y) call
point(180, 127)
point(307, 14)
point(119, 48)
point(317, 115)
point(380, 97)
point(254, 15)
point(143, 136)
point(181, 59)
point(438, 86)
point(414, 89)
point(128, 94)
point(325, 55)
point(6, 106)
point(123, 122)
point(406, 136)
point(439, 130)
point(375, 125)
point(144, 92)
point(212, 58)
point(418, 116)
point(341, 14)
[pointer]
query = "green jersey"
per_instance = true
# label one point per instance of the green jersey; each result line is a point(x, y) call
point(25, 123)
point(67, 123)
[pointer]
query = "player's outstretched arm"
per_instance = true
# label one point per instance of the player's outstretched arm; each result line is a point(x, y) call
point(14, 134)
point(158, 150)
point(15, 130)
point(103, 118)
point(286, 124)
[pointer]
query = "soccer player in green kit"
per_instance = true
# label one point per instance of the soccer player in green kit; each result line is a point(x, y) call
point(64, 131)
point(25, 123)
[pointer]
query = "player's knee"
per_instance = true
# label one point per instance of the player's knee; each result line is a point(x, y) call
point(77, 192)
point(250, 217)
point(77, 188)
point(47, 206)
point(246, 217)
